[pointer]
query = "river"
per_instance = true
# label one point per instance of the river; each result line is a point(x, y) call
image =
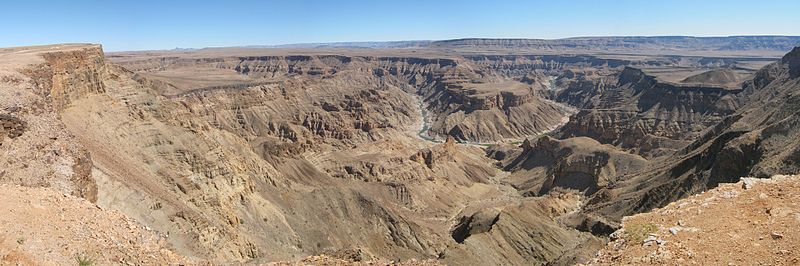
point(425, 123)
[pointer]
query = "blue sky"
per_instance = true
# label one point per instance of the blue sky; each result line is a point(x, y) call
point(141, 25)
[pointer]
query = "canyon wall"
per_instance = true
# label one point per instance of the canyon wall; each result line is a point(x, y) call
point(643, 114)
point(267, 171)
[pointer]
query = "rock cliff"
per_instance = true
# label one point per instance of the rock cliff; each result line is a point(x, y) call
point(758, 140)
point(643, 114)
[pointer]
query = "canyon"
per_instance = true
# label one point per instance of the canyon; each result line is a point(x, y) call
point(462, 152)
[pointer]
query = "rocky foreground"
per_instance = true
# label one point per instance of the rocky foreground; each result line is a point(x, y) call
point(752, 222)
point(40, 226)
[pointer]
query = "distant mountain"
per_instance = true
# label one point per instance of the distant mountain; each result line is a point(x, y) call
point(773, 45)
point(389, 44)
point(732, 43)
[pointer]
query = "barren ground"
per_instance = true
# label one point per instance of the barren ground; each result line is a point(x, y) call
point(729, 225)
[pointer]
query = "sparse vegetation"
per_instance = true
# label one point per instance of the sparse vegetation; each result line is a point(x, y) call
point(636, 233)
point(84, 260)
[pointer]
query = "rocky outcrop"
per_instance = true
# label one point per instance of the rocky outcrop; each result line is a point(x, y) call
point(35, 148)
point(792, 61)
point(581, 87)
point(475, 223)
point(580, 164)
point(11, 126)
point(647, 116)
point(72, 74)
point(429, 156)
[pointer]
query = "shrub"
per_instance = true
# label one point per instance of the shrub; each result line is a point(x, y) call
point(638, 232)
point(84, 260)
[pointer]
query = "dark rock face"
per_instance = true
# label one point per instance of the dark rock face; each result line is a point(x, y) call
point(479, 222)
point(792, 61)
point(11, 126)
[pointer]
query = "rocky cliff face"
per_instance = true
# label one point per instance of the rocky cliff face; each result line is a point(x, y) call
point(71, 75)
point(756, 141)
point(643, 114)
point(36, 148)
point(792, 61)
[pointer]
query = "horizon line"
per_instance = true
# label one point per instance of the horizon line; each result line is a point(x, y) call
point(278, 46)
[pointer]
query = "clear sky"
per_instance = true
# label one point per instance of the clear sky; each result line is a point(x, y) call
point(141, 25)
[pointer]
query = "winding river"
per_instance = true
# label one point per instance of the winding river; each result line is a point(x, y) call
point(425, 123)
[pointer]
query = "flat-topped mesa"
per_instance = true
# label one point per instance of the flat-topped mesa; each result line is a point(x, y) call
point(519, 65)
point(632, 44)
point(476, 100)
point(275, 66)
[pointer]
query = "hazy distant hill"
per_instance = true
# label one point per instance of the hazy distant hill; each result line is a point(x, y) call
point(391, 44)
point(732, 43)
point(772, 46)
